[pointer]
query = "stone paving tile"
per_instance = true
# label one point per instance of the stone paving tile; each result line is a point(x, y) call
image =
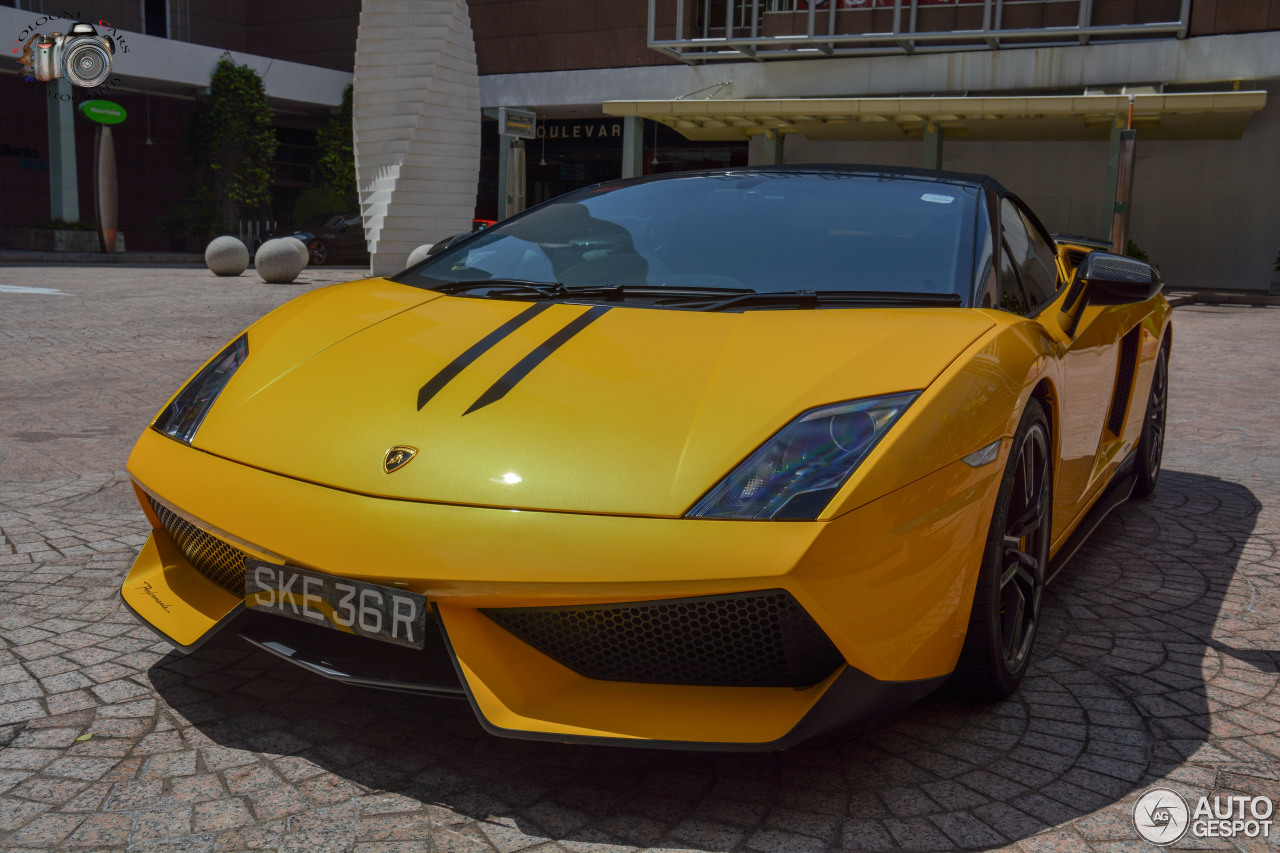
point(1157, 662)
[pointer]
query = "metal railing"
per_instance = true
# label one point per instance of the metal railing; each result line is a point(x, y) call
point(697, 31)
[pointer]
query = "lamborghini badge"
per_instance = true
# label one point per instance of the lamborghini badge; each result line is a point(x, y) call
point(397, 457)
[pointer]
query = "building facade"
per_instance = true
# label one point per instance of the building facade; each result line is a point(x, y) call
point(166, 52)
point(1032, 92)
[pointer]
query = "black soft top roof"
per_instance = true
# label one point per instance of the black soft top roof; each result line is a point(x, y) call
point(906, 172)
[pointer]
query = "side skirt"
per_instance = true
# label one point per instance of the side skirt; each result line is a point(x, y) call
point(1116, 493)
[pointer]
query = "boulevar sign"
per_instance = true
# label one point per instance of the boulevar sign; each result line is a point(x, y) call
point(587, 129)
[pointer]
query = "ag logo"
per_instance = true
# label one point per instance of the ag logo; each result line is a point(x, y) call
point(398, 457)
point(1161, 816)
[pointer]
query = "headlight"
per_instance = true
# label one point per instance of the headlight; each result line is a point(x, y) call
point(795, 474)
point(183, 416)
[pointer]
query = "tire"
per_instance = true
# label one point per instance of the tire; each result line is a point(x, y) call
point(319, 252)
point(1151, 443)
point(1006, 603)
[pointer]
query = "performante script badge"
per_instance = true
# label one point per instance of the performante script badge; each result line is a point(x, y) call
point(398, 457)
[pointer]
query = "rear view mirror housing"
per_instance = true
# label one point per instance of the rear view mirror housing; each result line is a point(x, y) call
point(1108, 279)
point(1117, 280)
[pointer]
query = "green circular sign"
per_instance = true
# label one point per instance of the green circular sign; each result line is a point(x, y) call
point(103, 112)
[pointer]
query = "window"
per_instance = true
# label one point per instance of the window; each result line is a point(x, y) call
point(1043, 267)
point(1037, 274)
point(155, 17)
point(985, 283)
point(766, 231)
point(1011, 296)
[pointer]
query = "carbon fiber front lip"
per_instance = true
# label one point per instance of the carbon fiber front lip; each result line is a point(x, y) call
point(354, 660)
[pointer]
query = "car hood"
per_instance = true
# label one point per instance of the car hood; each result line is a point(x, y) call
point(551, 406)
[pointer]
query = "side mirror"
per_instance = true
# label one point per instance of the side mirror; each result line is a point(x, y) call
point(1107, 279)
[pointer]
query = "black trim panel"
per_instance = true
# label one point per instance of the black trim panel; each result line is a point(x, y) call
point(459, 364)
point(540, 354)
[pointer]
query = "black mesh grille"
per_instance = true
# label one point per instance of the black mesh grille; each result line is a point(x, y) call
point(1124, 381)
point(1075, 257)
point(753, 639)
point(218, 561)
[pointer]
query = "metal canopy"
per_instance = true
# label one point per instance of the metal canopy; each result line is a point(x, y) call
point(1193, 115)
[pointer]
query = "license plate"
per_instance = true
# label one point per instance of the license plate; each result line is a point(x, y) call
point(355, 607)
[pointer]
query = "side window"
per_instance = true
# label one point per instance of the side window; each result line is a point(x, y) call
point(1038, 276)
point(1011, 296)
point(985, 285)
point(1043, 263)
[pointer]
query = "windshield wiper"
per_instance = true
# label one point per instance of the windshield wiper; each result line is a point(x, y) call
point(624, 291)
point(508, 286)
point(824, 298)
point(513, 287)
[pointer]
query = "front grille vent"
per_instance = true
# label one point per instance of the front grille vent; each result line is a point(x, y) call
point(753, 639)
point(217, 560)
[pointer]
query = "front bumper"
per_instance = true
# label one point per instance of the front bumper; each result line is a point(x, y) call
point(889, 583)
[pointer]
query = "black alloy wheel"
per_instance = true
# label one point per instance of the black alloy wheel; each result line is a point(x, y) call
point(1151, 444)
point(1011, 582)
point(319, 251)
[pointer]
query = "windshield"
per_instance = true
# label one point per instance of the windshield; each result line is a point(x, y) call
point(767, 232)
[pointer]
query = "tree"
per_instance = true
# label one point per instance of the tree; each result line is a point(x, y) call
point(231, 132)
point(337, 152)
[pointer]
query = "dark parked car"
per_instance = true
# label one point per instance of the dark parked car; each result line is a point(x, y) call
point(330, 237)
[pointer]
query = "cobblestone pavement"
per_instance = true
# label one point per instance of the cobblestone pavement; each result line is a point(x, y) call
point(1157, 663)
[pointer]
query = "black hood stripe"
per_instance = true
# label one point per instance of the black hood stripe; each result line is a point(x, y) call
point(540, 353)
point(459, 364)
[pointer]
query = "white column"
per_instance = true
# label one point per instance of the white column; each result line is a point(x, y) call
point(416, 120)
point(64, 189)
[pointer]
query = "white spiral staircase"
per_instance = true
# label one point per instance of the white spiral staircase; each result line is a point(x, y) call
point(416, 118)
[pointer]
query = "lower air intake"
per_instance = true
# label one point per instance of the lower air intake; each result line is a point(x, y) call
point(752, 639)
point(217, 560)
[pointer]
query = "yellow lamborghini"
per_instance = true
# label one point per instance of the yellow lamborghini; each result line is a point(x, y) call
point(715, 460)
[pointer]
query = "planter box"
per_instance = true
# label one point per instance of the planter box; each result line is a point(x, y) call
point(51, 240)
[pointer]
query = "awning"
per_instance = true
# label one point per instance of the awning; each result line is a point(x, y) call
point(1186, 115)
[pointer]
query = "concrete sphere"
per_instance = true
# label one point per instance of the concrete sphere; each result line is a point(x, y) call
point(277, 261)
point(302, 249)
point(226, 256)
point(418, 254)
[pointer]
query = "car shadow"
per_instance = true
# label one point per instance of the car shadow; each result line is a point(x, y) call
point(1149, 621)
